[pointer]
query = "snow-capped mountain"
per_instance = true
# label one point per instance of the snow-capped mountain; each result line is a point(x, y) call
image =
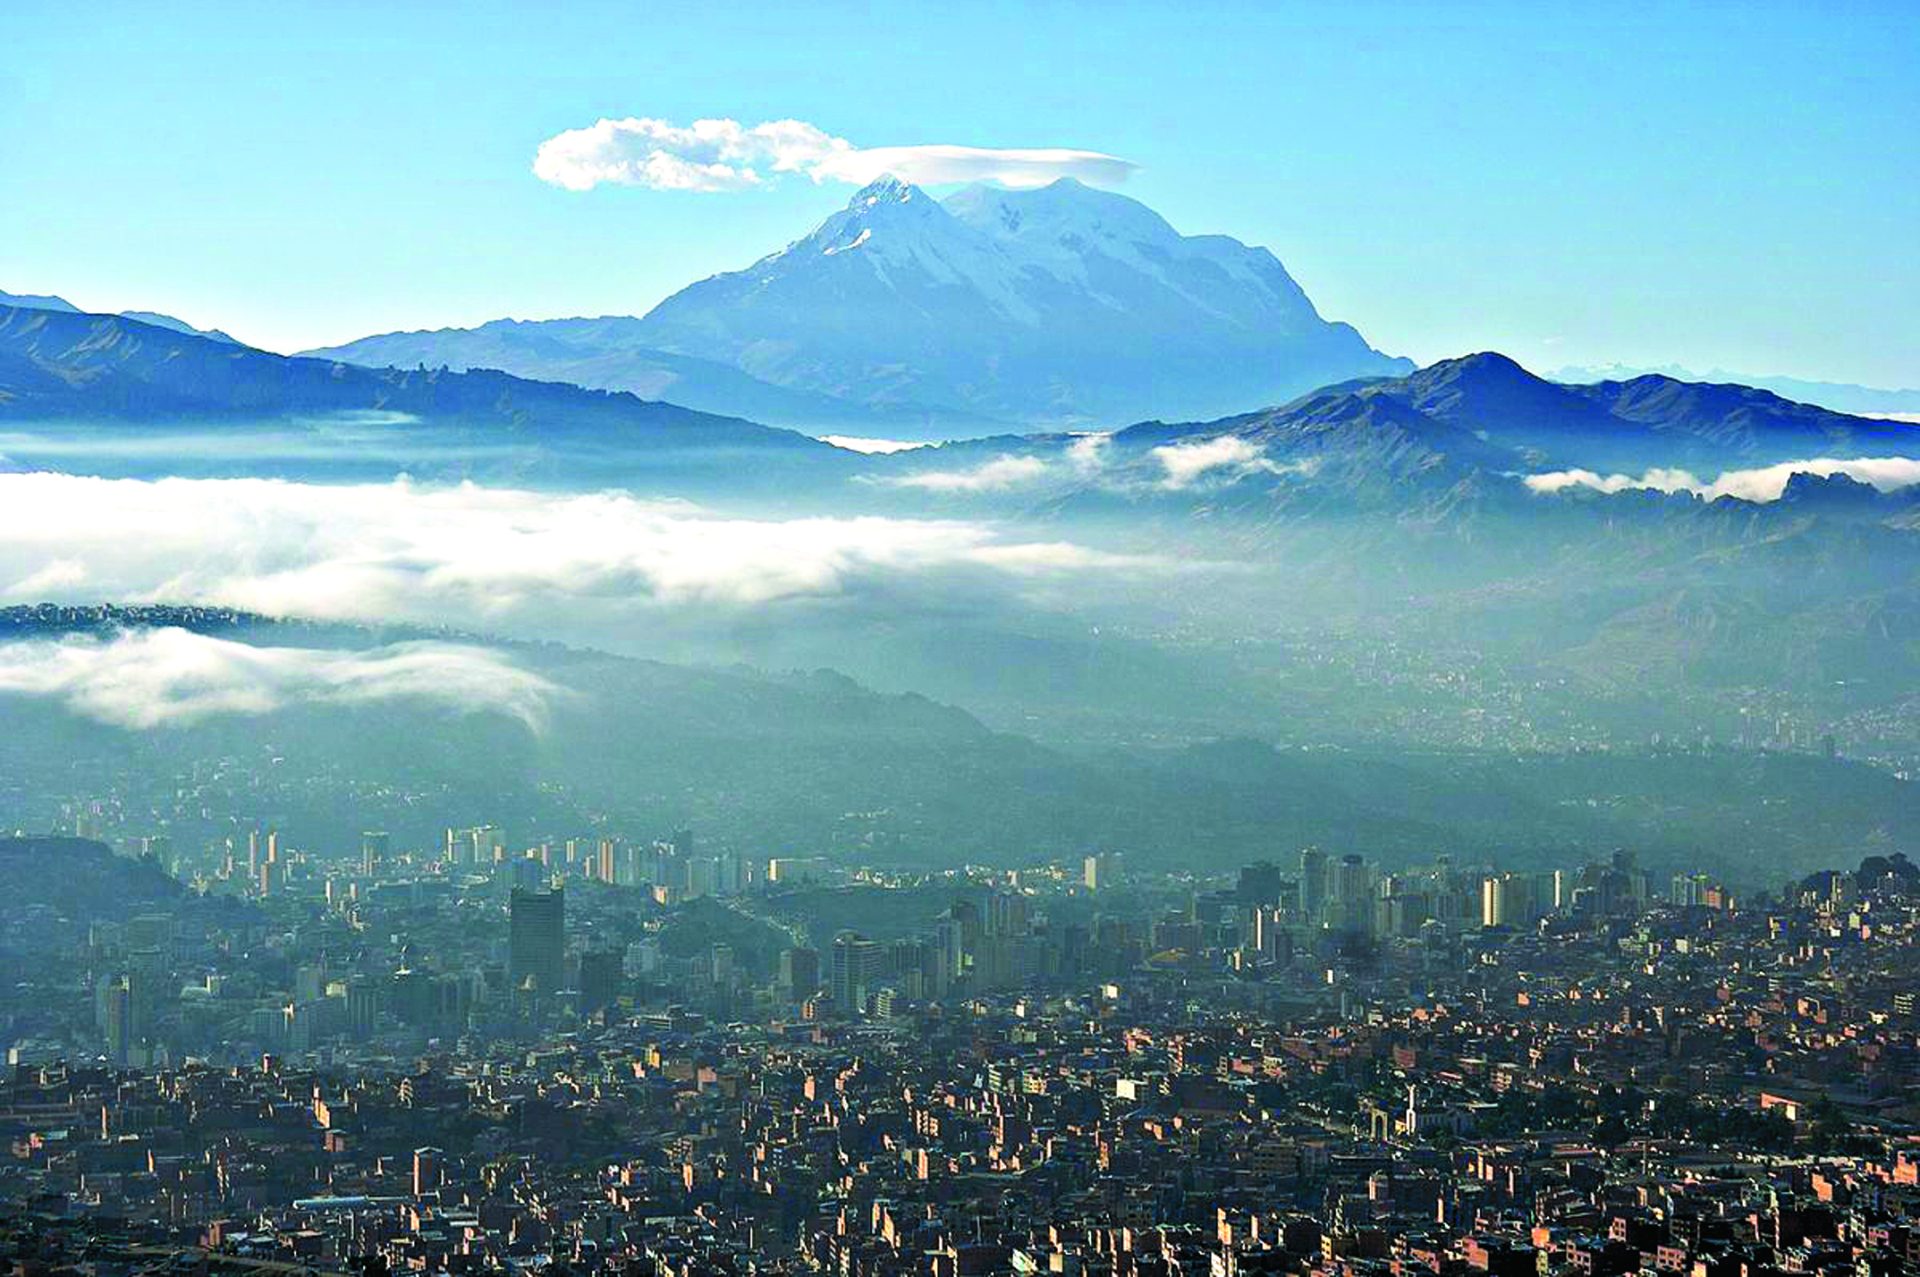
point(1059, 305)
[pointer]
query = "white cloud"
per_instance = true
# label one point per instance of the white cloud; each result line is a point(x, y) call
point(997, 475)
point(151, 678)
point(873, 447)
point(725, 155)
point(1654, 480)
point(935, 164)
point(57, 577)
point(1186, 462)
point(466, 555)
point(1761, 484)
point(1088, 453)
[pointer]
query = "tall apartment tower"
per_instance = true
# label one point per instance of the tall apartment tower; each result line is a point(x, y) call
point(428, 1171)
point(856, 971)
point(375, 846)
point(1313, 882)
point(537, 938)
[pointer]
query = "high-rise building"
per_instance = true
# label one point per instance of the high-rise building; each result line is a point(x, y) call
point(1513, 900)
point(429, 1171)
point(799, 972)
point(1260, 884)
point(601, 973)
point(1348, 904)
point(537, 938)
point(363, 1009)
point(114, 1012)
point(480, 846)
point(1007, 914)
point(1352, 880)
point(856, 971)
point(375, 846)
point(1313, 882)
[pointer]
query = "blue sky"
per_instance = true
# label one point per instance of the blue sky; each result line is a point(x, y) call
point(1715, 185)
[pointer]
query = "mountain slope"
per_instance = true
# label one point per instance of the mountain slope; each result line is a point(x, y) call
point(1053, 306)
point(613, 353)
point(178, 325)
point(56, 365)
point(755, 761)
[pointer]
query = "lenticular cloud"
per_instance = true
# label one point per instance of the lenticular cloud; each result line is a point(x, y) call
point(725, 155)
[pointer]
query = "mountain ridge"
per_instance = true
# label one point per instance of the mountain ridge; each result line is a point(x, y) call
point(1839, 396)
point(48, 357)
point(106, 374)
point(155, 318)
point(1480, 420)
point(1623, 427)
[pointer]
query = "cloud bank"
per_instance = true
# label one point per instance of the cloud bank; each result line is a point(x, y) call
point(1762, 484)
point(1189, 461)
point(469, 555)
point(997, 475)
point(143, 679)
point(725, 155)
point(872, 447)
point(1089, 459)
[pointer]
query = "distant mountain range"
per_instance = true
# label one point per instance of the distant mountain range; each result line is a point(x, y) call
point(932, 318)
point(1381, 441)
point(1866, 401)
point(1473, 427)
point(1487, 408)
point(64, 367)
point(144, 316)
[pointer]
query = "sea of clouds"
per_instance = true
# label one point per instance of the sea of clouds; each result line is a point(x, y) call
point(523, 563)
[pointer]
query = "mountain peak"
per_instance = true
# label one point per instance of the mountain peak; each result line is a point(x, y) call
point(1064, 207)
point(1484, 363)
point(885, 189)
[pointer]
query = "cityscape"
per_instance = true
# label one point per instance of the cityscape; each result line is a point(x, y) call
point(1246, 638)
point(631, 1055)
